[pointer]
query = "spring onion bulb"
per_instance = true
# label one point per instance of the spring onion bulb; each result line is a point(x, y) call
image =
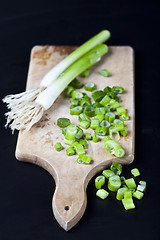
point(26, 109)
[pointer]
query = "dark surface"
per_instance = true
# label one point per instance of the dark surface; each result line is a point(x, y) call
point(26, 190)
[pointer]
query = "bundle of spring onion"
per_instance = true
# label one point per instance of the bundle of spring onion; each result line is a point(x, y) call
point(126, 188)
point(28, 107)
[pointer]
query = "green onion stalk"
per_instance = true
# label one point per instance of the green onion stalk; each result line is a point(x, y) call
point(27, 108)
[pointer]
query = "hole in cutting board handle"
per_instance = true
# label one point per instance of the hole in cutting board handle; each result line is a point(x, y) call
point(66, 208)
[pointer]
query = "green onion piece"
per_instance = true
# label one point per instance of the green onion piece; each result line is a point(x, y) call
point(130, 183)
point(105, 123)
point(108, 173)
point(69, 91)
point(141, 187)
point(104, 72)
point(110, 116)
point(76, 110)
point(100, 110)
point(101, 131)
point(83, 159)
point(128, 194)
point(68, 142)
point(118, 90)
point(70, 151)
point(76, 94)
point(83, 142)
point(89, 86)
point(64, 130)
point(105, 100)
point(94, 123)
point(85, 124)
point(74, 144)
point(137, 194)
point(105, 139)
point(71, 132)
point(124, 132)
point(85, 101)
point(88, 136)
point(79, 149)
point(120, 193)
point(99, 181)
point(79, 134)
point(89, 111)
point(120, 110)
point(102, 193)
point(100, 117)
point(58, 146)
point(113, 129)
point(76, 83)
point(114, 183)
point(116, 168)
point(97, 95)
point(122, 180)
point(95, 138)
point(120, 127)
point(63, 122)
point(74, 102)
point(86, 73)
point(83, 116)
point(97, 105)
point(128, 203)
point(125, 116)
point(109, 92)
point(135, 172)
point(117, 122)
point(113, 104)
point(119, 153)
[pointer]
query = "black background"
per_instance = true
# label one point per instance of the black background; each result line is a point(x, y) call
point(26, 190)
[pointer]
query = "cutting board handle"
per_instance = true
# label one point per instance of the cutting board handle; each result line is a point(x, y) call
point(69, 201)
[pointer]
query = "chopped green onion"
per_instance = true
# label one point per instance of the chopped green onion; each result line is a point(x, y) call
point(110, 116)
point(68, 142)
point(63, 122)
point(94, 123)
point(83, 116)
point(113, 147)
point(89, 111)
point(76, 110)
point(125, 116)
point(88, 136)
point(124, 132)
point(101, 131)
point(128, 203)
point(97, 95)
point(97, 105)
point(114, 182)
point(99, 181)
point(79, 149)
point(130, 183)
point(113, 129)
point(118, 90)
point(128, 194)
point(76, 94)
point(64, 130)
point(116, 168)
point(102, 193)
point(108, 173)
point(83, 159)
point(85, 101)
point(123, 180)
point(83, 142)
point(85, 124)
point(74, 102)
point(69, 91)
point(137, 194)
point(89, 86)
point(104, 72)
point(105, 100)
point(117, 122)
point(70, 151)
point(113, 104)
point(79, 134)
point(100, 117)
point(109, 92)
point(95, 138)
point(71, 132)
point(100, 110)
point(141, 187)
point(105, 123)
point(135, 172)
point(120, 193)
point(58, 146)
point(76, 83)
point(120, 110)
point(86, 73)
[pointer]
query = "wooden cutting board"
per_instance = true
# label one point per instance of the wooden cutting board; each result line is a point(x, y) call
point(37, 145)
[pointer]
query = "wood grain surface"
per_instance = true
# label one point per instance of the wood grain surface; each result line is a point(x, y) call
point(37, 145)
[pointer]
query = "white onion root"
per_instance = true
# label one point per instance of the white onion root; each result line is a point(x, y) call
point(24, 111)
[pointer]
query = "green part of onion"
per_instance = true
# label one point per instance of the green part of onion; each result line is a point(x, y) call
point(104, 72)
point(83, 159)
point(99, 181)
point(85, 124)
point(89, 86)
point(108, 173)
point(125, 116)
point(97, 95)
point(76, 83)
point(137, 194)
point(86, 73)
point(102, 193)
point(100, 117)
point(120, 193)
point(80, 133)
point(116, 168)
point(128, 203)
point(110, 116)
point(76, 94)
point(89, 111)
point(114, 183)
point(130, 183)
point(83, 142)
point(58, 146)
point(88, 136)
point(69, 91)
point(79, 149)
point(105, 100)
point(101, 131)
point(118, 90)
point(63, 122)
point(70, 151)
point(135, 172)
point(76, 110)
point(95, 138)
point(105, 123)
point(100, 110)
point(83, 116)
point(71, 132)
